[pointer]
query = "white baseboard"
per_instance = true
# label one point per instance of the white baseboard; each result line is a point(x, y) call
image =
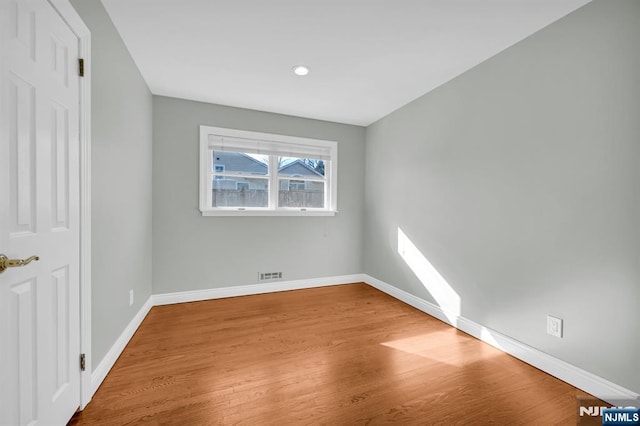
point(98, 375)
point(246, 290)
point(588, 382)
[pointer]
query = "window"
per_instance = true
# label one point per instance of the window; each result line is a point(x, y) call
point(248, 173)
point(297, 185)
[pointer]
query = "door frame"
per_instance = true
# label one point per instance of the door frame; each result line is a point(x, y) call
point(78, 27)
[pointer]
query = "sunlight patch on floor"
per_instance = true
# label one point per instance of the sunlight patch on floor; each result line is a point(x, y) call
point(447, 347)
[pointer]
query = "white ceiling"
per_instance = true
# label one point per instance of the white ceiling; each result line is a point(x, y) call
point(367, 57)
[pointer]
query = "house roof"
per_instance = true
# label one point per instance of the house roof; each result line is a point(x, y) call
point(299, 168)
point(238, 161)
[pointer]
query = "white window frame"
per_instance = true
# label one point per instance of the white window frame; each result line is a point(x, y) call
point(212, 137)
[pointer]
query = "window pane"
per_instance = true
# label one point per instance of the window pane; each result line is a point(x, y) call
point(301, 167)
point(240, 162)
point(301, 193)
point(240, 192)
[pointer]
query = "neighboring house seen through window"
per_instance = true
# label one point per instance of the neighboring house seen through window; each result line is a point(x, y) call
point(297, 185)
point(249, 173)
point(219, 168)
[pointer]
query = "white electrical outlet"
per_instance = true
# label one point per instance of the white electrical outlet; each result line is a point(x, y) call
point(554, 326)
point(130, 297)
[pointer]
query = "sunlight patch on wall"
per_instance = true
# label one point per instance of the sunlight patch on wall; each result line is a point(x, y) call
point(444, 295)
point(487, 336)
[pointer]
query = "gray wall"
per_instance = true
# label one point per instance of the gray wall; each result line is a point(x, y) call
point(518, 181)
point(121, 181)
point(193, 252)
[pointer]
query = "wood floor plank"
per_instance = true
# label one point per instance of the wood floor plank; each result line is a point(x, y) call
point(334, 355)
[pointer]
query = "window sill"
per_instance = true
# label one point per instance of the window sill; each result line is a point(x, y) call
point(230, 212)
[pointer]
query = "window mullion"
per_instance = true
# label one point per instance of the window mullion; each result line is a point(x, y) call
point(273, 182)
point(209, 194)
point(327, 186)
point(210, 188)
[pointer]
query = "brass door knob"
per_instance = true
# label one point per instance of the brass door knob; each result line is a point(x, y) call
point(5, 262)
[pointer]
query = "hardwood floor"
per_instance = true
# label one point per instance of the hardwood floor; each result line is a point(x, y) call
point(339, 355)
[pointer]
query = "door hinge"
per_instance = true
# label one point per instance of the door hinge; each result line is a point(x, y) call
point(82, 362)
point(81, 67)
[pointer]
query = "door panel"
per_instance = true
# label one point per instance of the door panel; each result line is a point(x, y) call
point(22, 338)
point(21, 157)
point(39, 175)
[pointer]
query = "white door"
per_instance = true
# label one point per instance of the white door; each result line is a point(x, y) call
point(39, 215)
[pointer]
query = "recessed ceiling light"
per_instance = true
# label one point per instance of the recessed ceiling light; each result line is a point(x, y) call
point(301, 70)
